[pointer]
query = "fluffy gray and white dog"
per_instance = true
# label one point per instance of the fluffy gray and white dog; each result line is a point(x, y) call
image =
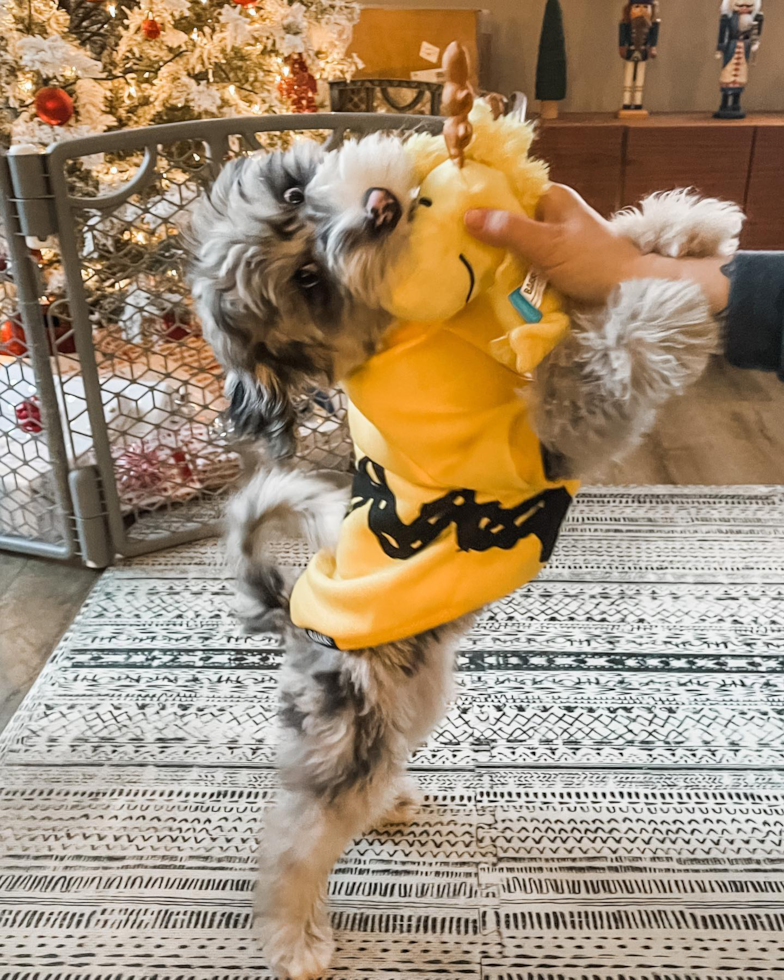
point(289, 253)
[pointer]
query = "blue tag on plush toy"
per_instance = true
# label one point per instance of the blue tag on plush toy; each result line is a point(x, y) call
point(527, 299)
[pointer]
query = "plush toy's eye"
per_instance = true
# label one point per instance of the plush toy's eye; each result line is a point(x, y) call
point(294, 195)
point(308, 276)
point(425, 202)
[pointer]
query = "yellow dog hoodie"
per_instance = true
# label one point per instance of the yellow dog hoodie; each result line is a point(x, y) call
point(450, 506)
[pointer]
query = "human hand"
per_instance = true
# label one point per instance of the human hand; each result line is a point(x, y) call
point(654, 52)
point(571, 244)
point(581, 253)
point(719, 54)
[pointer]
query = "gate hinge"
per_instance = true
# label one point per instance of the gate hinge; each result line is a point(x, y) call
point(33, 198)
point(92, 529)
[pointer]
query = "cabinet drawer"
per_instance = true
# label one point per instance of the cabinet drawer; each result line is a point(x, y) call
point(715, 160)
point(588, 158)
point(765, 201)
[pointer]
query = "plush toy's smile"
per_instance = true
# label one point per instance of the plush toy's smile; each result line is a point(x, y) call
point(426, 282)
point(471, 277)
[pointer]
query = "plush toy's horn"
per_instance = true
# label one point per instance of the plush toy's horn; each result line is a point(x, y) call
point(457, 101)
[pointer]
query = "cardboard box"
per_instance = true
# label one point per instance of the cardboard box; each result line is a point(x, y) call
point(395, 43)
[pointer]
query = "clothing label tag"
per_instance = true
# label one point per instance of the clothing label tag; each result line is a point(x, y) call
point(429, 52)
point(528, 298)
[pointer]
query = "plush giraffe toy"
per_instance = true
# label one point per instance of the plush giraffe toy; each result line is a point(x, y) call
point(482, 161)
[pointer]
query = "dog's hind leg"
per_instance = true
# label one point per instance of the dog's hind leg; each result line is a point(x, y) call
point(340, 760)
point(349, 724)
point(407, 800)
point(434, 653)
point(304, 838)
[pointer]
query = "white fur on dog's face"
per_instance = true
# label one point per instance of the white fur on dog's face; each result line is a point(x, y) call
point(338, 190)
point(287, 265)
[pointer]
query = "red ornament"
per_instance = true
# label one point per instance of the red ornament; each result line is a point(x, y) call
point(246, 3)
point(177, 323)
point(139, 468)
point(53, 106)
point(59, 335)
point(28, 415)
point(179, 457)
point(59, 330)
point(151, 29)
point(297, 86)
point(12, 338)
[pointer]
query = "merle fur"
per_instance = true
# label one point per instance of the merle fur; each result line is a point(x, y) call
point(268, 276)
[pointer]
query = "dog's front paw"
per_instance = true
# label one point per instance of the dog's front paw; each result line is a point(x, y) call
point(681, 223)
point(295, 951)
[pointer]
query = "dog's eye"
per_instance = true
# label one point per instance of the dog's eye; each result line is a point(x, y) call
point(293, 195)
point(308, 277)
point(425, 202)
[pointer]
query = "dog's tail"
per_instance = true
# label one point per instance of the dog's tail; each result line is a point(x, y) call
point(278, 503)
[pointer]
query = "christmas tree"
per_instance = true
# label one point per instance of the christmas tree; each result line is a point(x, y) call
point(50, 83)
point(551, 66)
point(115, 64)
point(109, 65)
point(195, 58)
point(71, 68)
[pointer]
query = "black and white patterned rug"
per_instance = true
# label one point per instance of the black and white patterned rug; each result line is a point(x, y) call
point(604, 802)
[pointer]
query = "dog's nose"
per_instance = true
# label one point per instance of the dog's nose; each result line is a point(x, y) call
point(383, 209)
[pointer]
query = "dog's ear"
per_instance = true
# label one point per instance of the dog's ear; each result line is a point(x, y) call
point(261, 408)
point(259, 391)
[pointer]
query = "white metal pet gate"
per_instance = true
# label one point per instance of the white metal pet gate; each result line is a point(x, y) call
point(112, 438)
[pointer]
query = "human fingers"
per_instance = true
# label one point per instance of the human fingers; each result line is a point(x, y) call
point(514, 232)
point(560, 204)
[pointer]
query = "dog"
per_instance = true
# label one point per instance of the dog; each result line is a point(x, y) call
point(289, 251)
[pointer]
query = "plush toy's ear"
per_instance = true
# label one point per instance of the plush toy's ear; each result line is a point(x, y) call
point(504, 144)
point(426, 152)
point(526, 346)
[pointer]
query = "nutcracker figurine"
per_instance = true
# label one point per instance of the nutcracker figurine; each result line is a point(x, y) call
point(740, 29)
point(638, 36)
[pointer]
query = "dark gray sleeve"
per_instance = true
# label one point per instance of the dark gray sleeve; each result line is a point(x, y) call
point(755, 314)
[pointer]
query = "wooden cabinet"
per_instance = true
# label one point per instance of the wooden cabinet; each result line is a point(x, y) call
point(714, 161)
point(614, 163)
point(765, 196)
point(588, 158)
